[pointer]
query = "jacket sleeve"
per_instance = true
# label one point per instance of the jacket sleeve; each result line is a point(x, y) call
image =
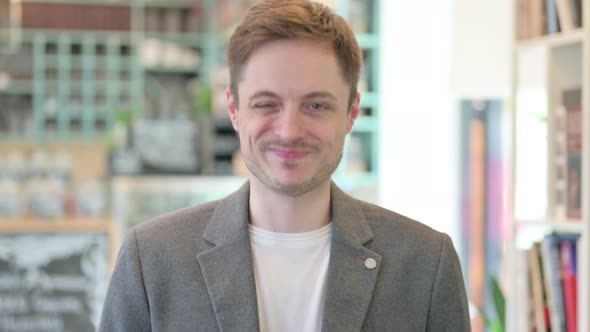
point(449, 310)
point(126, 307)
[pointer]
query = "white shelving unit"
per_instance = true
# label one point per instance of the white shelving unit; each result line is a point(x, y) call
point(543, 67)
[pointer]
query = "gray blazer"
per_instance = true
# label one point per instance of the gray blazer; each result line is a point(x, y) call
point(191, 270)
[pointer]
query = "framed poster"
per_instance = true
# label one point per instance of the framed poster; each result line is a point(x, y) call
point(54, 280)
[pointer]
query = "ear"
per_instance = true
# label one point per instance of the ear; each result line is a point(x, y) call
point(232, 108)
point(353, 112)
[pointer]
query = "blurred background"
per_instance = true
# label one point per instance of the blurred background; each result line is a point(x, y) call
point(475, 121)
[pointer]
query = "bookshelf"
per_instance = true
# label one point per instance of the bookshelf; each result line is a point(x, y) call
point(550, 81)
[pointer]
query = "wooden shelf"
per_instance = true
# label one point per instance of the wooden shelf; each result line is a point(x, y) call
point(68, 225)
point(570, 226)
point(562, 226)
point(554, 40)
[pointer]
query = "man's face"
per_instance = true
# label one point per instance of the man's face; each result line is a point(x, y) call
point(293, 115)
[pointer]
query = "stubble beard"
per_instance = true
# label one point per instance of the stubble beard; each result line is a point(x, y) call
point(296, 189)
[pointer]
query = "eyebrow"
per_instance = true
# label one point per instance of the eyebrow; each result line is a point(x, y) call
point(263, 93)
point(314, 94)
point(320, 94)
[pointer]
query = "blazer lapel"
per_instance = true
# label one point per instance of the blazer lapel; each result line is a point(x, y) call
point(350, 283)
point(227, 267)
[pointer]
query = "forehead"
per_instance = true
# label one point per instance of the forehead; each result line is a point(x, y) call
point(293, 65)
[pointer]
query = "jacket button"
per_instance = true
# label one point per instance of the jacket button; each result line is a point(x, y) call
point(370, 263)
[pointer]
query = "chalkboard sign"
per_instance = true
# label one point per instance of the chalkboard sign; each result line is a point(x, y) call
point(52, 281)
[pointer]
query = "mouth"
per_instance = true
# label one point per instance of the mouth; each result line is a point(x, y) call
point(289, 154)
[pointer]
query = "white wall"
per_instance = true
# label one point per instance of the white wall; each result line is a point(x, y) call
point(418, 157)
point(433, 53)
point(482, 38)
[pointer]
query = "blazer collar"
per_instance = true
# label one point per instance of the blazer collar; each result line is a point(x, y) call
point(232, 214)
point(349, 220)
point(350, 283)
point(229, 276)
point(230, 218)
point(227, 266)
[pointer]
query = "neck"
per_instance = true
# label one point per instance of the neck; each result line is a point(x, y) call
point(280, 213)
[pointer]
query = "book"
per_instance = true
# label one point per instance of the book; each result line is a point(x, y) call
point(538, 298)
point(172, 21)
point(523, 293)
point(152, 20)
point(537, 18)
point(569, 276)
point(4, 14)
point(558, 133)
point(522, 12)
point(550, 250)
point(4, 22)
point(572, 102)
point(552, 18)
point(576, 8)
point(565, 14)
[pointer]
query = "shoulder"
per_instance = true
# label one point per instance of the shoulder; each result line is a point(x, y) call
point(395, 231)
point(179, 219)
point(180, 226)
point(384, 219)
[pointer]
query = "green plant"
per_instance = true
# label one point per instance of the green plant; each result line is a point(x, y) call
point(498, 325)
point(123, 116)
point(201, 99)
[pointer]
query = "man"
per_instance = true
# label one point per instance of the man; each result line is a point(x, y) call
point(289, 251)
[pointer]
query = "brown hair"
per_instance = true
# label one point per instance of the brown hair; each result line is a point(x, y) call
point(271, 20)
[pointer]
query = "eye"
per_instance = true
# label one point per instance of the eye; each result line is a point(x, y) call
point(317, 107)
point(263, 106)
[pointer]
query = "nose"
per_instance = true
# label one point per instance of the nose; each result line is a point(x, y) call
point(290, 125)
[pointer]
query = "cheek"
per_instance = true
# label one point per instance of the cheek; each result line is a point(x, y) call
point(252, 129)
point(339, 130)
point(339, 142)
point(339, 138)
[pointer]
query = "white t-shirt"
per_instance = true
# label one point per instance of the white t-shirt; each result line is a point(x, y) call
point(290, 271)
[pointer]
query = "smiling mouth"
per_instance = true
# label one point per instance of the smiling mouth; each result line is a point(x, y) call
point(289, 154)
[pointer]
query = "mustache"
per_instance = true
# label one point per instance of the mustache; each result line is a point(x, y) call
point(298, 144)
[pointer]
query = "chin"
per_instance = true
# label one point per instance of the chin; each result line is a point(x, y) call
point(293, 182)
point(293, 189)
